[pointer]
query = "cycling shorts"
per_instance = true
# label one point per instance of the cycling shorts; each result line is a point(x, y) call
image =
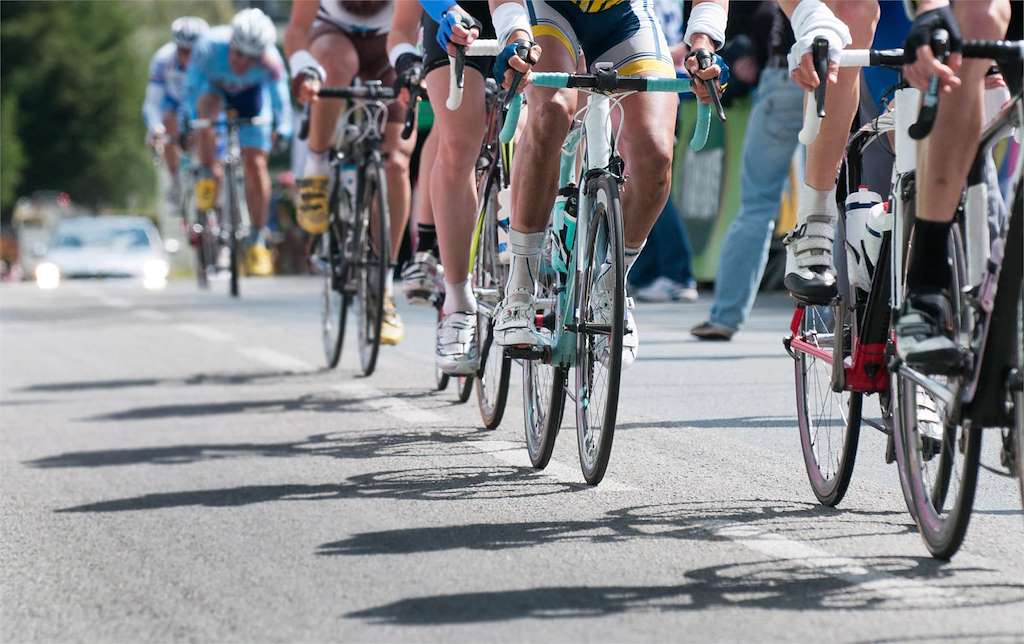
point(249, 103)
point(435, 57)
point(625, 33)
point(372, 51)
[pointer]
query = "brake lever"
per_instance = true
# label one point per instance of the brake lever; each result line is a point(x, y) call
point(819, 55)
point(704, 60)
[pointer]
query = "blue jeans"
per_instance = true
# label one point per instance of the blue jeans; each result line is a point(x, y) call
point(768, 148)
point(667, 252)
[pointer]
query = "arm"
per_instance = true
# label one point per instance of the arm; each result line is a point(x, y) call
point(296, 34)
point(512, 25)
point(705, 29)
point(280, 101)
point(197, 80)
point(155, 92)
point(307, 73)
point(812, 19)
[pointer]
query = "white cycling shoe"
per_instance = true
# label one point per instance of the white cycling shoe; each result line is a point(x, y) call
point(603, 315)
point(515, 322)
point(456, 351)
point(421, 278)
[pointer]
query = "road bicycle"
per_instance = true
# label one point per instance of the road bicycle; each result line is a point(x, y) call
point(844, 350)
point(354, 253)
point(585, 233)
point(219, 232)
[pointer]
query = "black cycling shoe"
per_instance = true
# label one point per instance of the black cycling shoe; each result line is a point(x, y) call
point(924, 333)
point(814, 285)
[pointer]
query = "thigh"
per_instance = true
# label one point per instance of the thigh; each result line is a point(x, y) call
point(333, 49)
point(374, 65)
point(463, 127)
point(648, 125)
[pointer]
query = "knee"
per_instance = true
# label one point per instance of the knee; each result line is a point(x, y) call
point(551, 118)
point(255, 161)
point(397, 163)
point(339, 62)
point(861, 17)
point(984, 20)
point(650, 157)
point(456, 153)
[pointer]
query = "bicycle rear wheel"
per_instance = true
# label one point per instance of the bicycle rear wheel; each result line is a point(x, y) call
point(600, 325)
point(1018, 397)
point(829, 421)
point(373, 213)
point(941, 454)
point(489, 277)
point(334, 302)
point(465, 388)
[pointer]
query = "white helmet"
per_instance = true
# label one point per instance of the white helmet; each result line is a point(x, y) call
point(186, 31)
point(252, 32)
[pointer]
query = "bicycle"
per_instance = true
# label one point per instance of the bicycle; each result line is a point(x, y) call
point(587, 208)
point(845, 349)
point(354, 254)
point(225, 229)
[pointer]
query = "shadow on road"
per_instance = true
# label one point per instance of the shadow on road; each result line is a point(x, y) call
point(777, 584)
point(236, 378)
point(446, 484)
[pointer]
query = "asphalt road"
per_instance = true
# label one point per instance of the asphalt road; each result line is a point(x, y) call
point(178, 466)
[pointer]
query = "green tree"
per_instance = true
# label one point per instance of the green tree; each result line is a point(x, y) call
point(75, 83)
point(12, 159)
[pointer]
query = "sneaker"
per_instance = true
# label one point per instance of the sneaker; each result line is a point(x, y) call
point(391, 328)
point(809, 274)
point(924, 333)
point(258, 261)
point(421, 278)
point(662, 289)
point(515, 321)
point(456, 352)
point(312, 210)
point(687, 293)
point(602, 314)
point(711, 331)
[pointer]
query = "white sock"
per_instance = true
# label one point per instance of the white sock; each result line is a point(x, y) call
point(630, 255)
point(459, 297)
point(525, 249)
point(317, 165)
point(389, 282)
point(816, 202)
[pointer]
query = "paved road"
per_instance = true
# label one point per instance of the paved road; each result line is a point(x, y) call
point(176, 466)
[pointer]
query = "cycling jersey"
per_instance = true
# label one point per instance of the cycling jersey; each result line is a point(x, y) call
point(357, 16)
point(261, 91)
point(166, 89)
point(625, 33)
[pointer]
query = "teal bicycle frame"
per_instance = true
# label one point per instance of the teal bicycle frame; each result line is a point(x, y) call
point(570, 212)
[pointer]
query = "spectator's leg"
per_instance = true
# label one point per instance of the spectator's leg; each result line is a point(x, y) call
point(768, 148)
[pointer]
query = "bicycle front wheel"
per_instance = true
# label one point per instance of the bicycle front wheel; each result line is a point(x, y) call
point(829, 421)
point(376, 253)
point(334, 302)
point(601, 311)
point(232, 230)
point(941, 454)
point(489, 277)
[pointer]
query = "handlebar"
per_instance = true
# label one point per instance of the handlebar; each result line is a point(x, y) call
point(608, 83)
point(458, 67)
point(373, 91)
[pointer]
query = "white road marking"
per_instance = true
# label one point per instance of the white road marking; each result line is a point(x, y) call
point(862, 577)
point(515, 454)
point(204, 332)
point(275, 359)
point(390, 405)
point(151, 314)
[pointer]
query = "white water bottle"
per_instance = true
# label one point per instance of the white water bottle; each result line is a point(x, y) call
point(866, 220)
point(504, 209)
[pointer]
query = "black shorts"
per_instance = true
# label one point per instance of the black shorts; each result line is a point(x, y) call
point(434, 56)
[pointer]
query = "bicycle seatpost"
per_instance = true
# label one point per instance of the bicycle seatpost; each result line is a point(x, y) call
point(819, 56)
point(930, 101)
point(705, 60)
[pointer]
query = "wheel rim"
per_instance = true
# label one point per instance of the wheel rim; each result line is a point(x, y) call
point(537, 387)
point(332, 299)
point(824, 414)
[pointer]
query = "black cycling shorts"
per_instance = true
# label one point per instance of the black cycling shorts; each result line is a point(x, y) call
point(434, 56)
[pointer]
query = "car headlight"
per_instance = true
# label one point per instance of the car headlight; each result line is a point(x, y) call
point(154, 273)
point(47, 275)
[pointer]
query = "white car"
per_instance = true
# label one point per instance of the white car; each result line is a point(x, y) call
point(104, 247)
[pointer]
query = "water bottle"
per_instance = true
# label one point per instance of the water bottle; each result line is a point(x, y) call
point(504, 208)
point(564, 228)
point(349, 178)
point(866, 220)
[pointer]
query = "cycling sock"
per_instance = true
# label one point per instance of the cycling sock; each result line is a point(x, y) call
point(630, 255)
point(459, 297)
point(389, 281)
point(316, 165)
point(426, 238)
point(815, 202)
point(929, 257)
point(525, 249)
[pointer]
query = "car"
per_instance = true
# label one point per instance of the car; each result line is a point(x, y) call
point(116, 247)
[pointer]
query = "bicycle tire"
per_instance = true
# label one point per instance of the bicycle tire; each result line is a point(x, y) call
point(942, 535)
point(598, 348)
point(489, 275)
point(1018, 397)
point(234, 221)
point(816, 403)
point(372, 211)
point(543, 407)
point(334, 303)
point(465, 388)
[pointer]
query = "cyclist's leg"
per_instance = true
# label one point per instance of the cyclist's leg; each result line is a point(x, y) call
point(927, 309)
point(420, 275)
point(171, 151)
point(209, 107)
point(809, 271)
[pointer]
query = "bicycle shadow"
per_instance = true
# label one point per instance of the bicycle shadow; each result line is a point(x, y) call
point(228, 378)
